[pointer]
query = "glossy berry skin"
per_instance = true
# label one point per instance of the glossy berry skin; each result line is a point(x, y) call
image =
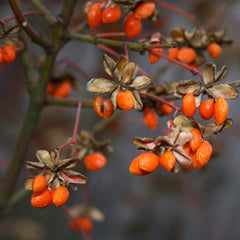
point(154, 57)
point(144, 10)
point(39, 183)
point(125, 100)
point(132, 26)
point(84, 225)
point(135, 169)
point(42, 199)
point(188, 105)
point(63, 90)
point(1, 55)
point(168, 160)
point(148, 161)
point(196, 141)
point(103, 107)
point(206, 109)
point(95, 161)
point(214, 50)
point(9, 53)
point(150, 118)
point(165, 109)
point(60, 196)
point(111, 14)
point(187, 55)
point(173, 53)
point(94, 16)
point(220, 110)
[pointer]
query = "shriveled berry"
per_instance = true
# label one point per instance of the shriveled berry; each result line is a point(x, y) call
point(148, 161)
point(206, 109)
point(103, 107)
point(154, 57)
point(173, 53)
point(132, 26)
point(94, 15)
point(134, 167)
point(81, 224)
point(95, 161)
point(144, 10)
point(125, 100)
point(63, 90)
point(188, 105)
point(111, 14)
point(9, 53)
point(214, 50)
point(166, 109)
point(150, 118)
point(60, 196)
point(41, 199)
point(39, 183)
point(168, 160)
point(220, 110)
point(187, 54)
point(196, 141)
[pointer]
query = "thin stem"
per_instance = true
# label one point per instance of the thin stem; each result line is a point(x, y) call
point(171, 122)
point(235, 84)
point(126, 50)
point(108, 34)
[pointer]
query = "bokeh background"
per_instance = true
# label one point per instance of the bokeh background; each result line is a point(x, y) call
point(188, 205)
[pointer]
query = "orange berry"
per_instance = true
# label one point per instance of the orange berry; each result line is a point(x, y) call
point(41, 199)
point(187, 148)
point(39, 183)
point(214, 50)
point(94, 15)
point(153, 56)
point(95, 161)
point(103, 107)
point(50, 88)
point(81, 224)
point(9, 53)
point(134, 167)
point(148, 161)
point(150, 118)
point(188, 105)
point(125, 100)
point(168, 160)
point(132, 26)
point(206, 109)
point(111, 14)
point(1, 55)
point(144, 10)
point(220, 110)
point(60, 196)
point(187, 54)
point(196, 141)
point(173, 53)
point(63, 90)
point(165, 109)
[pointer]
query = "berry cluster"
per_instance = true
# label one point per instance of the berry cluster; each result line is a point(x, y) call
point(61, 90)
point(7, 53)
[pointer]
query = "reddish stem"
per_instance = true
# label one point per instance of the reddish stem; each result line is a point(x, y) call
point(126, 50)
point(74, 136)
point(177, 10)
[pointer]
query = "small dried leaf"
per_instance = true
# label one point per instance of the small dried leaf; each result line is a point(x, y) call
point(222, 90)
point(129, 72)
point(188, 86)
point(183, 122)
point(28, 183)
point(181, 156)
point(138, 105)
point(45, 157)
point(109, 64)
point(34, 165)
point(68, 163)
point(178, 34)
point(118, 71)
point(198, 99)
point(140, 82)
point(183, 138)
point(221, 74)
point(113, 97)
point(208, 73)
point(100, 85)
point(71, 176)
point(220, 34)
point(144, 143)
point(12, 29)
point(176, 168)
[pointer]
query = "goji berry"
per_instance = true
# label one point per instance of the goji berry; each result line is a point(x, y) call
point(188, 105)
point(63, 90)
point(103, 107)
point(60, 196)
point(148, 161)
point(135, 169)
point(206, 109)
point(132, 26)
point(196, 141)
point(111, 14)
point(168, 160)
point(150, 118)
point(94, 15)
point(144, 10)
point(125, 100)
point(39, 183)
point(220, 110)
point(154, 57)
point(214, 50)
point(164, 108)
point(173, 53)
point(187, 54)
point(81, 224)
point(95, 161)
point(41, 199)
point(9, 53)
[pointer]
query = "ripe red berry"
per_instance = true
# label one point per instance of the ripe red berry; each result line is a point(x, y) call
point(196, 141)
point(148, 161)
point(111, 14)
point(81, 224)
point(154, 57)
point(94, 15)
point(50, 88)
point(206, 109)
point(9, 53)
point(144, 10)
point(125, 100)
point(187, 54)
point(60, 196)
point(220, 110)
point(132, 26)
point(41, 199)
point(168, 160)
point(214, 50)
point(39, 183)
point(135, 169)
point(95, 161)
point(103, 107)
point(188, 105)
point(63, 90)
point(173, 53)
point(164, 108)
point(150, 118)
